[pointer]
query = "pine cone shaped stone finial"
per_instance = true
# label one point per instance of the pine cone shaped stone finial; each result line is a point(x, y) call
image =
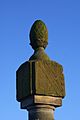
point(38, 35)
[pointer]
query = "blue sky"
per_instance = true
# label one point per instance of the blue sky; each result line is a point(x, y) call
point(62, 18)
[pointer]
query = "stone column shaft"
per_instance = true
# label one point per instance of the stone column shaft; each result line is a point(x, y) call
point(41, 113)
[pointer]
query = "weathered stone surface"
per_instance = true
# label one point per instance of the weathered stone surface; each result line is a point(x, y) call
point(40, 82)
point(39, 54)
point(38, 35)
point(50, 101)
point(41, 107)
point(41, 78)
point(41, 114)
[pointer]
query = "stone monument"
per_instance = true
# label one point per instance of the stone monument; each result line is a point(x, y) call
point(40, 81)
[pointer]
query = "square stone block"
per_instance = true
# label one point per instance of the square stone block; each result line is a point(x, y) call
point(40, 78)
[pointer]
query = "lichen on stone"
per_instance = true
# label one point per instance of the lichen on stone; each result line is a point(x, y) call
point(38, 35)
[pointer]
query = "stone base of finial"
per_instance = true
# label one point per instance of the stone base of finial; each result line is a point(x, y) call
point(41, 107)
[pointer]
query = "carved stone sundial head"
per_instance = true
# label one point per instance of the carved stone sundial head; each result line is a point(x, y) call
point(40, 83)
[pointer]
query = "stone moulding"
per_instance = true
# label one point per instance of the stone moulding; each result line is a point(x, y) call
point(39, 99)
